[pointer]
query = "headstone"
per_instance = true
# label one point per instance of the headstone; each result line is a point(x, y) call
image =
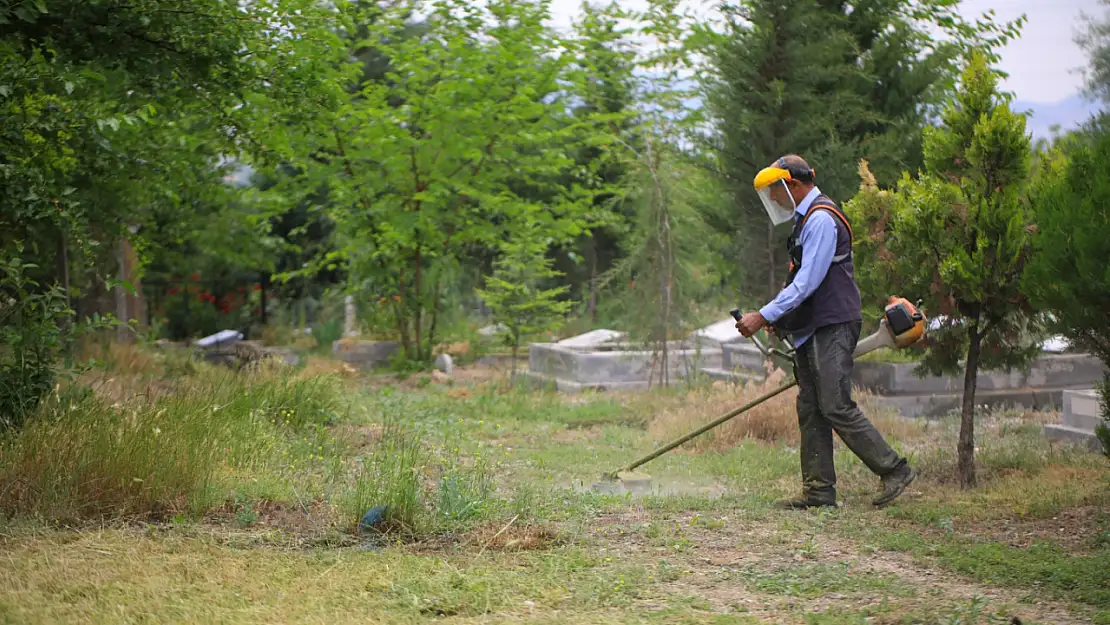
point(350, 321)
point(721, 332)
point(1055, 345)
point(364, 353)
point(492, 331)
point(445, 364)
point(592, 338)
point(1082, 414)
point(220, 338)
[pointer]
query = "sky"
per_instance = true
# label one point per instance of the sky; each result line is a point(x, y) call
point(1042, 65)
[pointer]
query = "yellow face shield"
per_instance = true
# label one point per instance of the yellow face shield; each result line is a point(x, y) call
point(764, 182)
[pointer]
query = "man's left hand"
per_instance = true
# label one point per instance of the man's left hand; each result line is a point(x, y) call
point(750, 323)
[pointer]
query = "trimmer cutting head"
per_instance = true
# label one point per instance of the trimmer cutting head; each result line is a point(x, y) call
point(623, 482)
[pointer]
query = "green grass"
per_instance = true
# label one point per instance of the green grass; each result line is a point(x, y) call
point(1043, 567)
point(250, 508)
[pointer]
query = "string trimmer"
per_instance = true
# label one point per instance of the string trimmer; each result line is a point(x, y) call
point(901, 326)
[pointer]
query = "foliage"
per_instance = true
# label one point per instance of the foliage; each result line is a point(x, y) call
point(1067, 277)
point(958, 238)
point(1094, 39)
point(417, 163)
point(606, 90)
point(514, 292)
point(119, 121)
point(36, 334)
point(863, 86)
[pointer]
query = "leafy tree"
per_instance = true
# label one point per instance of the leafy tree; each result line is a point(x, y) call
point(1067, 275)
point(959, 238)
point(516, 293)
point(417, 164)
point(605, 92)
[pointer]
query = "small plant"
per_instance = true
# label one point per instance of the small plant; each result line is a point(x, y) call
point(515, 294)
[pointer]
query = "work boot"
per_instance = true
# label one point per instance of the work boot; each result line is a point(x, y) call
point(802, 503)
point(894, 484)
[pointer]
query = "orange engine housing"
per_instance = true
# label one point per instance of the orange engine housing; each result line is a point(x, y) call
point(906, 322)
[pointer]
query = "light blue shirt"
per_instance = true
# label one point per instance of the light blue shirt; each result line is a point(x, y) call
point(818, 240)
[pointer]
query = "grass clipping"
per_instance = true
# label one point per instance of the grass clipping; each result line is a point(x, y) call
point(774, 421)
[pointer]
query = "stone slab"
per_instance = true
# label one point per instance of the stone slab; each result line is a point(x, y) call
point(718, 334)
point(1049, 371)
point(732, 375)
point(938, 405)
point(592, 338)
point(540, 380)
point(1082, 410)
point(743, 355)
point(1066, 434)
point(364, 353)
point(223, 337)
point(610, 367)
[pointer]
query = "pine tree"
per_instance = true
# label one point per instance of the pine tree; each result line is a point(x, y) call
point(834, 81)
point(1067, 275)
point(516, 294)
point(959, 238)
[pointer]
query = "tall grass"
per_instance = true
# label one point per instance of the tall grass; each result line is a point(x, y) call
point(425, 482)
point(99, 455)
point(775, 421)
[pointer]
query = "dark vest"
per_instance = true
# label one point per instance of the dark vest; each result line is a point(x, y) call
point(837, 298)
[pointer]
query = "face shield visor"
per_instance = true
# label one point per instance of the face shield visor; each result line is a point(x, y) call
point(778, 213)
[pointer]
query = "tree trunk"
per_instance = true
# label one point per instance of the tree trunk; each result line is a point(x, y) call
point(121, 295)
point(592, 301)
point(772, 283)
point(417, 293)
point(512, 366)
point(966, 448)
point(63, 275)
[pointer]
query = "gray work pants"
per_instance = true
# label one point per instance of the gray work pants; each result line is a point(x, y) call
point(823, 366)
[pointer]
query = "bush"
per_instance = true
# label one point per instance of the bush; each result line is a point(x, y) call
point(36, 329)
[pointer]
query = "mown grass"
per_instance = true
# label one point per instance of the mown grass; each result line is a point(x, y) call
point(488, 490)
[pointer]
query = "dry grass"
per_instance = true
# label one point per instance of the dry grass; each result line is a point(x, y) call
point(775, 421)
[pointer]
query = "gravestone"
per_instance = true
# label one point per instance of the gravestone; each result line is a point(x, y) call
point(1081, 415)
point(592, 338)
point(718, 334)
point(364, 353)
point(445, 363)
point(350, 319)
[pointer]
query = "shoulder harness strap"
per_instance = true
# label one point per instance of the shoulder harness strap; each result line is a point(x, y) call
point(835, 210)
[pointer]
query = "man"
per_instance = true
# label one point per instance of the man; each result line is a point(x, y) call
point(819, 309)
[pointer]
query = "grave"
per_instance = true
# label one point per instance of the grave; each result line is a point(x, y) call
point(604, 360)
point(1078, 420)
point(364, 354)
point(1042, 387)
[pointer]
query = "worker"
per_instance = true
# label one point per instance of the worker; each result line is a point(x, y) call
point(819, 310)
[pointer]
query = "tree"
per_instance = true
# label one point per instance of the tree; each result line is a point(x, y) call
point(1094, 39)
point(959, 238)
point(604, 91)
point(418, 164)
point(1067, 275)
point(516, 293)
point(863, 88)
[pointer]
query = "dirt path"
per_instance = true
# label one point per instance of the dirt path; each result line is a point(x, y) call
point(763, 568)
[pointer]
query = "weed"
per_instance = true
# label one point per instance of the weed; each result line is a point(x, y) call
point(81, 457)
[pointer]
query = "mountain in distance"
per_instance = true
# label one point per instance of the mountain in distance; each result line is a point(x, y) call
point(1069, 113)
